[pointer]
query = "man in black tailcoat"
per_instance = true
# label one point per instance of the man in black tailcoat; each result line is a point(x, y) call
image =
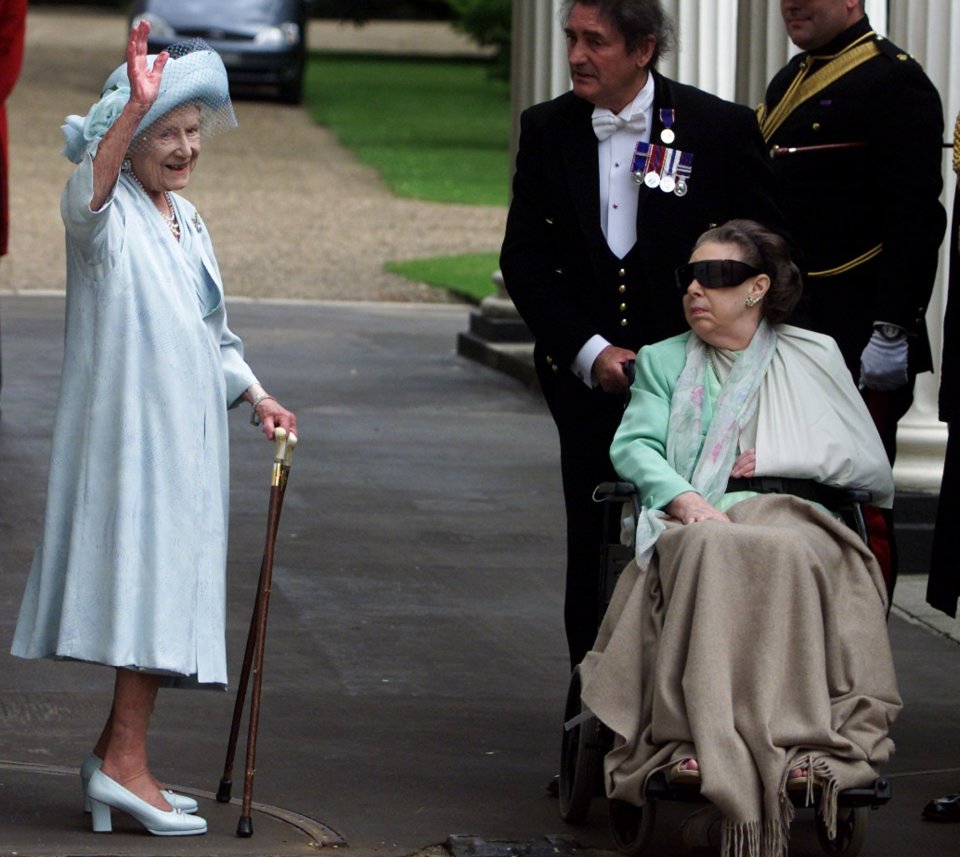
point(596, 226)
point(855, 130)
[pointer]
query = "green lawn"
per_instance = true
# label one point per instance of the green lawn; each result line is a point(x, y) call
point(435, 130)
point(467, 275)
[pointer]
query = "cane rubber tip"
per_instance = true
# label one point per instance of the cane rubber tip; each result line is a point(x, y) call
point(223, 793)
point(245, 827)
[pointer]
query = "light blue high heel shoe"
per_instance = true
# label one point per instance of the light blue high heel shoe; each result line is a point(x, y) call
point(93, 762)
point(106, 794)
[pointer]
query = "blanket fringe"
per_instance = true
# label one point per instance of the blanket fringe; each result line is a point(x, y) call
point(828, 795)
point(780, 837)
point(820, 775)
point(755, 839)
point(740, 840)
point(770, 838)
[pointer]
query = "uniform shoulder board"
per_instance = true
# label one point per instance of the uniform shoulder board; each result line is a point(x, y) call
point(890, 50)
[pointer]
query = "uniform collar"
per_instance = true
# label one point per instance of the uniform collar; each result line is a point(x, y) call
point(847, 37)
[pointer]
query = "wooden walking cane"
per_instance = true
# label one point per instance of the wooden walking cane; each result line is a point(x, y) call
point(256, 639)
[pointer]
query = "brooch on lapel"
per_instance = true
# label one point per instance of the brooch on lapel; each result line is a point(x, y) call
point(197, 222)
point(656, 165)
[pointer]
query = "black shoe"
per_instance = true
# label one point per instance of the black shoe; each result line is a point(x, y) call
point(943, 809)
point(553, 787)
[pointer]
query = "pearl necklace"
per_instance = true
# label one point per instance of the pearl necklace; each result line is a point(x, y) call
point(170, 219)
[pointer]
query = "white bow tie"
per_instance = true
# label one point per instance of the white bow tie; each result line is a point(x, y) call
point(606, 122)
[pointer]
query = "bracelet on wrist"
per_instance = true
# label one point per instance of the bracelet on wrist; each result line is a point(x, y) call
point(255, 417)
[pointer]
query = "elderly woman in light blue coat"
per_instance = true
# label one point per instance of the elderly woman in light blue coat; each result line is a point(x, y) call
point(130, 570)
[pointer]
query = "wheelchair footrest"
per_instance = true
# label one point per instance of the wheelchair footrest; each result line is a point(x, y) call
point(876, 794)
point(658, 788)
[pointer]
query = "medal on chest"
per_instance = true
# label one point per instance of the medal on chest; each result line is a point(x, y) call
point(658, 166)
point(667, 117)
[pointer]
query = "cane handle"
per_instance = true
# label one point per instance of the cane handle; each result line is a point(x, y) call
point(291, 445)
point(279, 443)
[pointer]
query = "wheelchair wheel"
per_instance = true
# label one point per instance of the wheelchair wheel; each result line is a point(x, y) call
point(581, 758)
point(632, 826)
point(851, 832)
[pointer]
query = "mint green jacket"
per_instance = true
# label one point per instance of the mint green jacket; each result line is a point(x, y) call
point(639, 448)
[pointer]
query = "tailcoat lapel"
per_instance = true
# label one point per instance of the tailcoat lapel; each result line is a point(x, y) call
point(581, 164)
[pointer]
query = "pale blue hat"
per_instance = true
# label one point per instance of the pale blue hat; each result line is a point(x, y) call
point(194, 74)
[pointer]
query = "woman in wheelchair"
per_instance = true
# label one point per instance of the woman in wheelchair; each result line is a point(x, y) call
point(745, 648)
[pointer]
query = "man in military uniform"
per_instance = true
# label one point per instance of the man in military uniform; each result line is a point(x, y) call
point(855, 129)
point(614, 182)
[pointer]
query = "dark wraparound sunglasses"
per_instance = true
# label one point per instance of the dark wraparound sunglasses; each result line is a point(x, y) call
point(714, 273)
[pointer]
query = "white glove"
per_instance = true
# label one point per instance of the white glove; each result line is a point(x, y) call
point(883, 363)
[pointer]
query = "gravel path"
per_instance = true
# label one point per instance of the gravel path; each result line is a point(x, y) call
point(293, 214)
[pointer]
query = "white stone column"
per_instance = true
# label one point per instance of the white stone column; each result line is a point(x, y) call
point(538, 72)
point(764, 49)
point(538, 57)
point(928, 29)
point(877, 12)
point(706, 55)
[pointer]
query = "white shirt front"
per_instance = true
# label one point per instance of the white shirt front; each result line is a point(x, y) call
point(619, 193)
point(619, 197)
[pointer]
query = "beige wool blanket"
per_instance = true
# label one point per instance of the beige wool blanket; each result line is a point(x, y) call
point(748, 646)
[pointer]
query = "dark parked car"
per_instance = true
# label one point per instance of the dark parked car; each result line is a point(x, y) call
point(262, 42)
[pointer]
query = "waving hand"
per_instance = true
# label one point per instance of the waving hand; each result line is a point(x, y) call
point(144, 81)
point(144, 89)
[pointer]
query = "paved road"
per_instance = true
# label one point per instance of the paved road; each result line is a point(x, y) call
point(415, 672)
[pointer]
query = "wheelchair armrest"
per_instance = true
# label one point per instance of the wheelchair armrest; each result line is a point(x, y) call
point(848, 504)
point(835, 499)
point(618, 492)
point(612, 492)
point(855, 496)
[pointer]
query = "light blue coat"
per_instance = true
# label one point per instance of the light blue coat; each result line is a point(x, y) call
point(130, 569)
